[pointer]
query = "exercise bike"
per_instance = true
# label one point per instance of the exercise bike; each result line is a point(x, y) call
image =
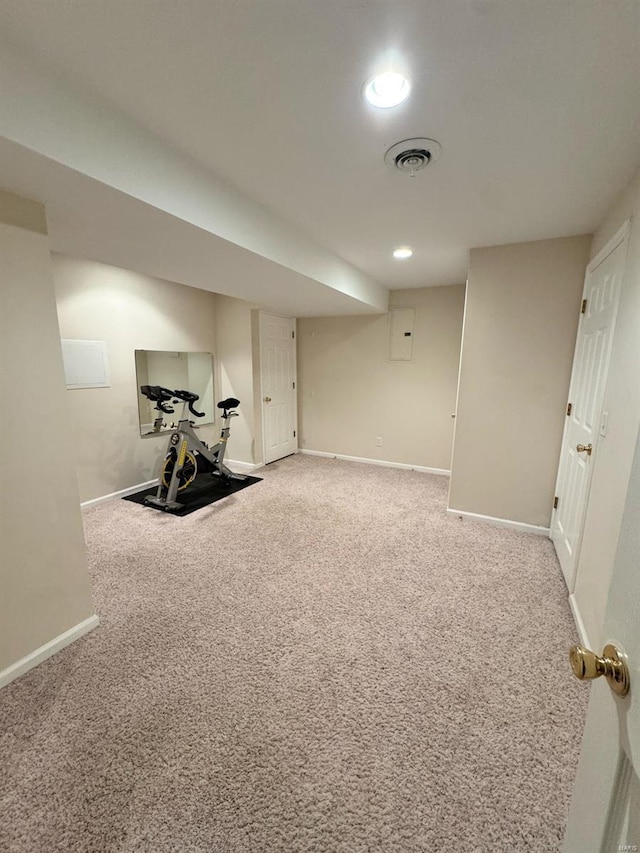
point(186, 455)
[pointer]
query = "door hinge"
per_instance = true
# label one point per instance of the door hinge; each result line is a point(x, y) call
point(583, 310)
point(294, 384)
point(293, 334)
point(556, 501)
point(294, 433)
point(569, 407)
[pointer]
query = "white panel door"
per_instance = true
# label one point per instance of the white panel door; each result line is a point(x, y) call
point(278, 383)
point(586, 396)
point(605, 807)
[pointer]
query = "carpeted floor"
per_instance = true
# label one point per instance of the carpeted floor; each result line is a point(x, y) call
point(324, 662)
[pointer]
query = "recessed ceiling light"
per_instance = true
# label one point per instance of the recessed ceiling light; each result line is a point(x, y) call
point(387, 90)
point(402, 253)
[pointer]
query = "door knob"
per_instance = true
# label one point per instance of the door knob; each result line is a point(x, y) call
point(267, 399)
point(585, 448)
point(585, 665)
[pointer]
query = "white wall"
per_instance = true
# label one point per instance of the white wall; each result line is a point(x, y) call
point(612, 464)
point(129, 311)
point(44, 581)
point(521, 318)
point(350, 393)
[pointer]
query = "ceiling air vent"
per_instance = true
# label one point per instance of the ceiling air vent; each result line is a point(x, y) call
point(412, 155)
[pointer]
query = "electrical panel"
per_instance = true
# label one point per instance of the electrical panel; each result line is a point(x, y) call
point(401, 325)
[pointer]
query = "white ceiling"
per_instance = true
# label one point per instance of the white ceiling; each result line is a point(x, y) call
point(536, 104)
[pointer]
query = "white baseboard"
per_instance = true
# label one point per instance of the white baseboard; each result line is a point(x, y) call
point(577, 618)
point(441, 471)
point(502, 522)
point(48, 650)
point(131, 490)
point(245, 467)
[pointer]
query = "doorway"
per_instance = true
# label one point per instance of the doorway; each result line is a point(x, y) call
point(278, 386)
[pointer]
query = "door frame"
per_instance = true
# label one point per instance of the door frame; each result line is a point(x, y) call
point(261, 314)
point(610, 246)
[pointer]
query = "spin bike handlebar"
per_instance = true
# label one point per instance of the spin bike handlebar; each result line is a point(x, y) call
point(161, 396)
point(158, 395)
point(190, 399)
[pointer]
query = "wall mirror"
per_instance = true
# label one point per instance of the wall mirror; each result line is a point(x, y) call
point(190, 371)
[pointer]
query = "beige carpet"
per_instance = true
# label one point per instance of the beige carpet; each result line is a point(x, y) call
point(323, 662)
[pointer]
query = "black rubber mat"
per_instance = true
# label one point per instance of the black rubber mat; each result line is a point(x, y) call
point(206, 490)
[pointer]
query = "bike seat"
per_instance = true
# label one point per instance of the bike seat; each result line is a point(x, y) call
point(229, 403)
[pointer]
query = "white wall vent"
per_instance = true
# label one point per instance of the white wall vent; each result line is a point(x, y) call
point(412, 155)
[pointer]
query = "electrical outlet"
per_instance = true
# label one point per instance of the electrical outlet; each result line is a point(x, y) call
point(379, 441)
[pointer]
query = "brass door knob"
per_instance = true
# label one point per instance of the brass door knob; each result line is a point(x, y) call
point(585, 448)
point(585, 665)
point(267, 399)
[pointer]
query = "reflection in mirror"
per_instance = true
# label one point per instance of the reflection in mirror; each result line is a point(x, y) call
point(189, 371)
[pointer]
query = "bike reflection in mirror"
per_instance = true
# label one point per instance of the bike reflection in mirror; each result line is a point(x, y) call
point(193, 370)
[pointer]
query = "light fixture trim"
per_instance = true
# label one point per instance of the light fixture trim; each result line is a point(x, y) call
point(387, 90)
point(402, 253)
